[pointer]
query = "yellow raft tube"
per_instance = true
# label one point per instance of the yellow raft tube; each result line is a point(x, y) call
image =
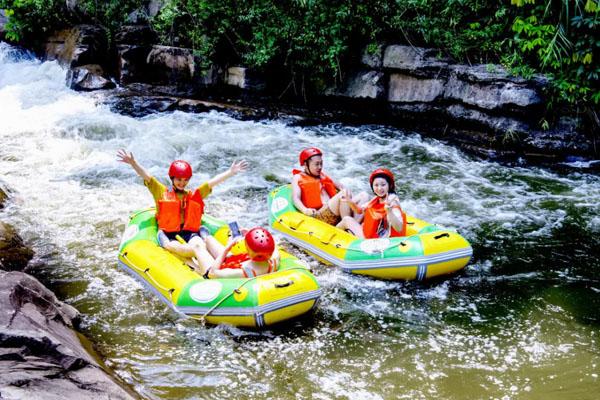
point(426, 252)
point(249, 302)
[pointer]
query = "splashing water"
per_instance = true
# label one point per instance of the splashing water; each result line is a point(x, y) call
point(521, 321)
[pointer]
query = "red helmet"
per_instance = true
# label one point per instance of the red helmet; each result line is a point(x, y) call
point(259, 244)
point(180, 169)
point(386, 173)
point(308, 153)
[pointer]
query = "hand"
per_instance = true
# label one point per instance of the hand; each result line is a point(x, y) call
point(392, 201)
point(125, 157)
point(238, 166)
point(311, 212)
point(232, 242)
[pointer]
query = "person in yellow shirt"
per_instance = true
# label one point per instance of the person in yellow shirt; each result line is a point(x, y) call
point(179, 211)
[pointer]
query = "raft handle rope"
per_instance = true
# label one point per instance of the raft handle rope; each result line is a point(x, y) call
point(238, 291)
point(445, 234)
point(336, 245)
point(147, 272)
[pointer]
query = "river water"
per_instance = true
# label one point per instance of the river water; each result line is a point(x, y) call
point(522, 321)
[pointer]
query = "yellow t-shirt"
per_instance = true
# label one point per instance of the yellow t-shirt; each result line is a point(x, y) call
point(158, 189)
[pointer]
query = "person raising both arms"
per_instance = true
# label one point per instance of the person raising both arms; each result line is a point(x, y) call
point(315, 193)
point(382, 215)
point(179, 211)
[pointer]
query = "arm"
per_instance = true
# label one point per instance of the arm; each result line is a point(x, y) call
point(297, 198)
point(346, 198)
point(219, 260)
point(394, 213)
point(128, 158)
point(236, 167)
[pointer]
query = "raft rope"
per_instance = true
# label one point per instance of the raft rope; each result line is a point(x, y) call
point(237, 290)
point(337, 245)
point(147, 273)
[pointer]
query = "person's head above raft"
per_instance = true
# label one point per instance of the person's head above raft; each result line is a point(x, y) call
point(180, 173)
point(260, 244)
point(382, 182)
point(311, 159)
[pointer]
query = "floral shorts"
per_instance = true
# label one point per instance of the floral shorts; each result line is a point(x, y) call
point(327, 216)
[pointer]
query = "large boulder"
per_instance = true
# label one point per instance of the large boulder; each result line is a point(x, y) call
point(171, 65)
point(14, 255)
point(88, 78)
point(131, 63)
point(244, 78)
point(362, 85)
point(408, 89)
point(80, 45)
point(41, 357)
point(469, 85)
point(416, 60)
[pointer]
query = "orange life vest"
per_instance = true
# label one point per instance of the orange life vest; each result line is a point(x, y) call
point(171, 208)
point(376, 218)
point(310, 189)
point(237, 261)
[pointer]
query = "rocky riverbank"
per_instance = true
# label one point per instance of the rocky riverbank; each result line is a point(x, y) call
point(41, 354)
point(481, 108)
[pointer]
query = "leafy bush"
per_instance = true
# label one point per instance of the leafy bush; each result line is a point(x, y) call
point(311, 43)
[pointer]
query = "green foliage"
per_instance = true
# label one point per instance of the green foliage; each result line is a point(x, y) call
point(29, 19)
point(312, 42)
point(562, 40)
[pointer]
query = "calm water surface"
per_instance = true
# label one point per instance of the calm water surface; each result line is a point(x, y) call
point(522, 321)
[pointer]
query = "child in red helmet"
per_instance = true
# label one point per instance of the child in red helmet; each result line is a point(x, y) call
point(316, 194)
point(261, 257)
point(179, 211)
point(381, 216)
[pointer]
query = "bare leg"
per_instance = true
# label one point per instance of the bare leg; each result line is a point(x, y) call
point(205, 259)
point(349, 223)
point(215, 248)
point(337, 206)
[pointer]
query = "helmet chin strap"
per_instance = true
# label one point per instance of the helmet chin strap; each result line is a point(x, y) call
point(310, 172)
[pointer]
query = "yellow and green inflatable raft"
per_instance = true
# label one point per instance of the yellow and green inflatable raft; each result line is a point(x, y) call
point(427, 251)
point(253, 302)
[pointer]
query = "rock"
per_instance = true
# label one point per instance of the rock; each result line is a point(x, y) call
point(170, 64)
point(14, 255)
point(131, 64)
point(88, 78)
point(416, 60)
point(565, 137)
point(41, 357)
point(81, 45)
point(363, 85)
point(3, 195)
point(244, 78)
point(508, 129)
point(154, 7)
point(373, 59)
point(140, 106)
point(405, 88)
point(138, 35)
point(493, 95)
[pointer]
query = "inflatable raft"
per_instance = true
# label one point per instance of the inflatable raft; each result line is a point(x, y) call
point(427, 251)
point(249, 302)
